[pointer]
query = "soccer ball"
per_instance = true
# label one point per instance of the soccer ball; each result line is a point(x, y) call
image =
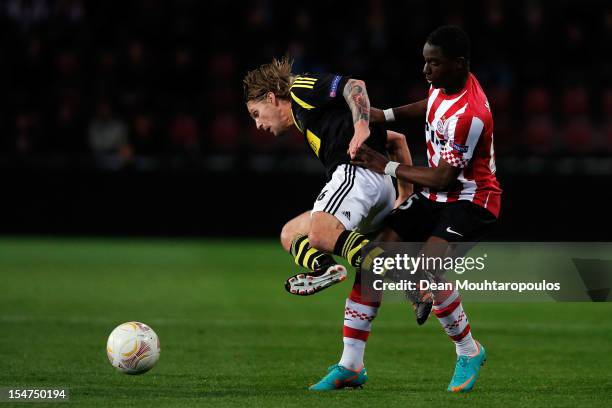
point(133, 348)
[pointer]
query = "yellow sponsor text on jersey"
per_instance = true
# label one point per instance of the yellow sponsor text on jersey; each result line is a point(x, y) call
point(313, 141)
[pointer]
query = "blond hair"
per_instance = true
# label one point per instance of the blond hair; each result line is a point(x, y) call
point(274, 77)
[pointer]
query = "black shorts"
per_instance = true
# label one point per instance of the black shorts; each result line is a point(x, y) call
point(419, 218)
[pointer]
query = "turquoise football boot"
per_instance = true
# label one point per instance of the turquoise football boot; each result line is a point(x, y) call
point(339, 377)
point(466, 371)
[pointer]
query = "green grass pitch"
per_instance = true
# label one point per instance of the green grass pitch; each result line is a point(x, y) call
point(231, 335)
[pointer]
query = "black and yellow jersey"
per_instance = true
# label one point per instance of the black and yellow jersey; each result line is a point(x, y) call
point(321, 113)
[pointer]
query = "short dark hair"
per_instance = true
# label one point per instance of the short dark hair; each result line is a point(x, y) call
point(452, 40)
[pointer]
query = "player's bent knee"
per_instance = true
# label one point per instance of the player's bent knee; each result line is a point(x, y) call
point(286, 236)
point(299, 225)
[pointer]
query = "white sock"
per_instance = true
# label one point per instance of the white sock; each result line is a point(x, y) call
point(455, 323)
point(466, 346)
point(357, 324)
point(352, 355)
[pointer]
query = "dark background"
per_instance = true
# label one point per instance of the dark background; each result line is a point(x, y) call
point(128, 117)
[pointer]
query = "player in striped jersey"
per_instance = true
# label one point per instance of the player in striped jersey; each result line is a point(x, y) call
point(460, 196)
point(333, 113)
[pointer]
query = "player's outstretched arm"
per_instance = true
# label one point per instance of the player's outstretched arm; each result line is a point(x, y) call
point(437, 178)
point(399, 152)
point(358, 101)
point(412, 110)
point(376, 115)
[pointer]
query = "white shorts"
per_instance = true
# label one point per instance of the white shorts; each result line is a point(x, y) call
point(360, 199)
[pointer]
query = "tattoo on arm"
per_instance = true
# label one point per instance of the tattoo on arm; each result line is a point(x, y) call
point(357, 99)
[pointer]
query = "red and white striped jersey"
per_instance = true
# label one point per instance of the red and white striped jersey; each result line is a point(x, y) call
point(459, 130)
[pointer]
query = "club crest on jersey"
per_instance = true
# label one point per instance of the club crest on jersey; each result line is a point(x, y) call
point(460, 148)
point(440, 125)
point(334, 86)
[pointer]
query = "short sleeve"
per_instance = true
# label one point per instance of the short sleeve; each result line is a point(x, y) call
point(462, 135)
point(318, 90)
